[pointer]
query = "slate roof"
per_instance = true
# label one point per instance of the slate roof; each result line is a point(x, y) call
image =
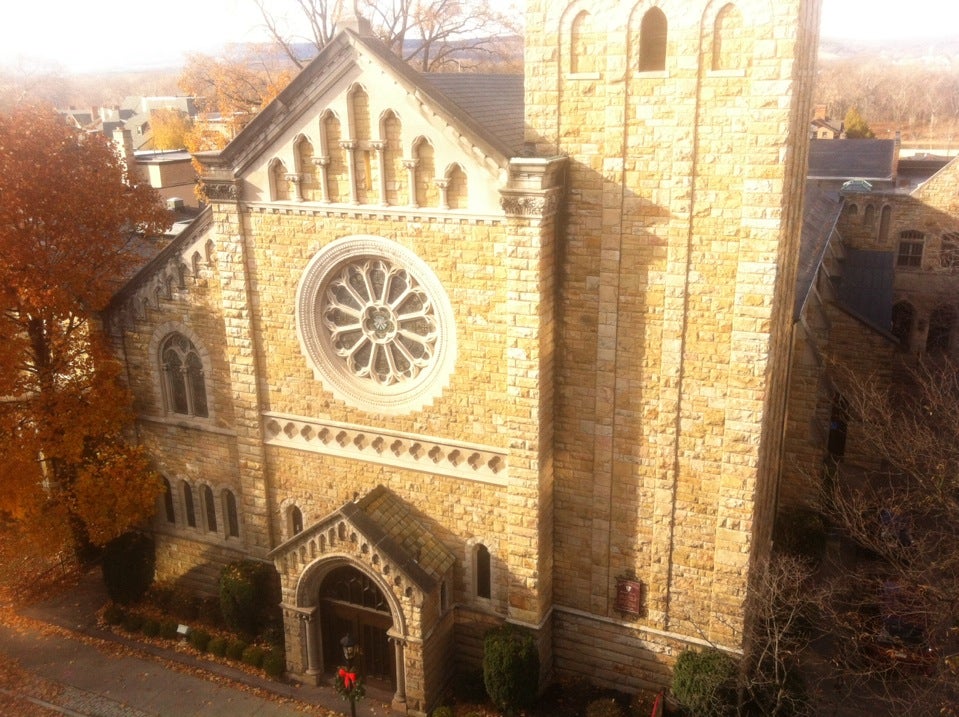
point(873, 159)
point(820, 214)
point(490, 106)
point(390, 527)
point(495, 102)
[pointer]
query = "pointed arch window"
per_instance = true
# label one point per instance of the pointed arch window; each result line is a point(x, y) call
point(209, 508)
point(295, 519)
point(183, 380)
point(652, 41)
point(188, 504)
point(483, 572)
point(232, 517)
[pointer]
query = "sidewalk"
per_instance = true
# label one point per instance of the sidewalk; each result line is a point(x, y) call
point(133, 679)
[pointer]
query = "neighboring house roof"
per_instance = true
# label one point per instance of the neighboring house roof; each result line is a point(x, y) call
point(821, 211)
point(834, 126)
point(873, 159)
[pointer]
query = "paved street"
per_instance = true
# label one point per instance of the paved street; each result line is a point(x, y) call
point(90, 673)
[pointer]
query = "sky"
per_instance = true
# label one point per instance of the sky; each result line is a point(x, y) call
point(94, 35)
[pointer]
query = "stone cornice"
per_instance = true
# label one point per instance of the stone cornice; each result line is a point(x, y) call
point(393, 213)
point(455, 459)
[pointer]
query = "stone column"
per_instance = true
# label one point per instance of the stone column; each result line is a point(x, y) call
point(350, 148)
point(324, 164)
point(314, 662)
point(380, 148)
point(410, 165)
point(294, 180)
point(399, 699)
point(443, 185)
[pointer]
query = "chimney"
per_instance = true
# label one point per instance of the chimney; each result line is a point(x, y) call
point(819, 112)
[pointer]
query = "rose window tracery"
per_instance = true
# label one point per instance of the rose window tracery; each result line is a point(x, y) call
point(375, 324)
point(380, 321)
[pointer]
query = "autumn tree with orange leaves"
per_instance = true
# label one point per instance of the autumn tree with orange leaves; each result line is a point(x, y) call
point(68, 213)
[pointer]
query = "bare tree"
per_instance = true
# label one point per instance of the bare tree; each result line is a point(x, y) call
point(431, 35)
point(893, 594)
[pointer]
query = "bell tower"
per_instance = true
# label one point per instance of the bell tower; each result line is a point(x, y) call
point(685, 126)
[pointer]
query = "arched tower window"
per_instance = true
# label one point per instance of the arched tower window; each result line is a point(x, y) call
point(728, 38)
point(903, 315)
point(869, 215)
point(183, 382)
point(483, 572)
point(580, 57)
point(652, 41)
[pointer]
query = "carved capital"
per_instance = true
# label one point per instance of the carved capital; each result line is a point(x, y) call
point(292, 177)
point(530, 205)
point(321, 161)
point(221, 191)
point(348, 144)
point(378, 145)
point(410, 163)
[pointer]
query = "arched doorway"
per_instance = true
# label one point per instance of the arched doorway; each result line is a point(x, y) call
point(350, 602)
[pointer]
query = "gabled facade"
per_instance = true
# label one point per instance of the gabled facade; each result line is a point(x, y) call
point(454, 352)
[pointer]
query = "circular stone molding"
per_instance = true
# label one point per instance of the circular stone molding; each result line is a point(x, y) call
point(375, 325)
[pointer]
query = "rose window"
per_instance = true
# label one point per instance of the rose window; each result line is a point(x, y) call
point(375, 324)
point(380, 321)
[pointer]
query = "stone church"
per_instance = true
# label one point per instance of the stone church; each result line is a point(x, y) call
point(457, 350)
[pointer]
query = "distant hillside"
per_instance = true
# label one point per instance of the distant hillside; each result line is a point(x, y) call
point(935, 53)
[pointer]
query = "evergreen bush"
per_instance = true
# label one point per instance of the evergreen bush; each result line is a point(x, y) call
point(235, 649)
point(151, 628)
point(704, 682)
point(442, 711)
point(274, 663)
point(128, 566)
point(199, 639)
point(217, 646)
point(510, 668)
point(168, 630)
point(253, 656)
point(245, 595)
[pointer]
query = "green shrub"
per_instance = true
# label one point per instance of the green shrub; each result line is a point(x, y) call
point(132, 622)
point(510, 668)
point(604, 707)
point(199, 639)
point(704, 682)
point(113, 614)
point(217, 646)
point(274, 663)
point(253, 656)
point(128, 567)
point(442, 711)
point(246, 595)
point(151, 628)
point(235, 649)
point(168, 630)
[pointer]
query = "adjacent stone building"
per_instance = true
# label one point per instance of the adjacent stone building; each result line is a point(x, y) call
point(454, 350)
